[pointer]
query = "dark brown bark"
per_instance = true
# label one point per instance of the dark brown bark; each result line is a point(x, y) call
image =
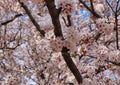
point(58, 33)
point(91, 3)
point(116, 25)
point(71, 65)
point(116, 30)
point(69, 21)
point(55, 17)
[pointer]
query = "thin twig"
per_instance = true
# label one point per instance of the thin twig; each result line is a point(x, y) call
point(110, 6)
point(8, 21)
point(93, 12)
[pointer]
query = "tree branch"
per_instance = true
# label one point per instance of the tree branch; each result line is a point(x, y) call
point(116, 30)
point(69, 21)
point(116, 25)
point(31, 18)
point(116, 22)
point(55, 17)
point(92, 11)
point(71, 65)
point(109, 61)
point(58, 33)
point(92, 7)
point(110, 6)
point(8, 21)
point(117, 5)
point(113, 62)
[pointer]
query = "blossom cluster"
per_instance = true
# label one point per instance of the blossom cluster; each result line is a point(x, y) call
point(68, 6)
point(71, 38)
point(99, 8)
point(104, 26)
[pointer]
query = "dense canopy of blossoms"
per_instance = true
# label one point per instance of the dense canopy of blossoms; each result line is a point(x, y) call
point(41, 39)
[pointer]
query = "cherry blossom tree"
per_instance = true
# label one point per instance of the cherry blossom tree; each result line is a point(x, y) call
point(59, 42)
